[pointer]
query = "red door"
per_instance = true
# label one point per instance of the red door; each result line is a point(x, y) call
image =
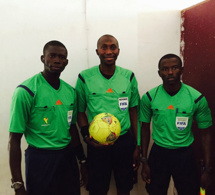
point(198, 51)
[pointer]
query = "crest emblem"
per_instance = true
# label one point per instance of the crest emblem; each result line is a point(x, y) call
point(123, 103)
point(69, 116)
point(181, 122)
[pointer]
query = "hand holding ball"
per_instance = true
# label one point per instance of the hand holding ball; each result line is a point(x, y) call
point(105, 128)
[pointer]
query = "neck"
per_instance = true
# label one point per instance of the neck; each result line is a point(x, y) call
point(52, 79)
point(172, 89)
point(107, 70)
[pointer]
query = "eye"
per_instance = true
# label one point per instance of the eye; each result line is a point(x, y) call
point(165, 69)
point(175, 67)
point(62, 57)
point(113, 47)
point(52, 55)
point(104, 47)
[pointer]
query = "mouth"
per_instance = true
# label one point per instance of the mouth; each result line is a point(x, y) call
point(109, 59)
point(171, 78)
point(56, 68)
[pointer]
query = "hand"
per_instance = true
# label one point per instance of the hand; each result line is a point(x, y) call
point(21, 191)
point(145, 173)
point(84, 175)
point(136, 158)
point(94, 143)
point(205, 180)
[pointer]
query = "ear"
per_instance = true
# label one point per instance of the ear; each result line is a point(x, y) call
point(97, 52)
point(42, 59)
point(182, 70)
point(67, 61)
point(159, 73)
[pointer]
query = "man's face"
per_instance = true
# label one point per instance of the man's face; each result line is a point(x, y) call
point(108, 50)
point(54, 59)
point(170, 71)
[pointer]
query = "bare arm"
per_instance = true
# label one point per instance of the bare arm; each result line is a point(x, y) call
point(75, 135)
point(84, 126)
point(82, 119)
point(206, 166)
point(134, 119)
point(206, 144)
point(145, 137)
point(15, 156)
point(76, 144)
point(79, 152)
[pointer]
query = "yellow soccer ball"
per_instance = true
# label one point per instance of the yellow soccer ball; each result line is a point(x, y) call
point(105, 128)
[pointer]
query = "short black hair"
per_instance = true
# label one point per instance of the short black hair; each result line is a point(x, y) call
point(170, 55)
point(53, 43)
point(109, 36)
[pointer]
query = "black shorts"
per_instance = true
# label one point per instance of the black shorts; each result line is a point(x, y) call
point(117, 158)
point(51, 172)
point(178, 163)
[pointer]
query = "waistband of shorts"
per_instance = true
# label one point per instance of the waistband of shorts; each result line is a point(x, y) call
point(175, 149)
point(125, 135)
point(48, 151)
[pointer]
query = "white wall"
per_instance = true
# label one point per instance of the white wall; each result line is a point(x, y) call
point(143, 35)
point(158, 34)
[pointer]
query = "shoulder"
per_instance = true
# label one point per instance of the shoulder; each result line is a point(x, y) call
point(67, 85)
point(195, 94)
point(90, 71)
point(152, 92)
point(28, 86)
point(126, 73)
point(33, 82)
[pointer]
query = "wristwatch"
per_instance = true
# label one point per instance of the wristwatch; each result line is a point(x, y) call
point(143, 159)
point(17, 185)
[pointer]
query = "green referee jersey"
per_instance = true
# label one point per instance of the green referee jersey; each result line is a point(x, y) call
point(115, 95)
point(42, 113)
point(172, 116)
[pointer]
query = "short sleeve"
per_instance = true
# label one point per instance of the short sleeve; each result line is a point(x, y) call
point(20, 110)
point(81, 98)
point(145, 109)
point(203, 114)
point(135, 97)
point(74, 116)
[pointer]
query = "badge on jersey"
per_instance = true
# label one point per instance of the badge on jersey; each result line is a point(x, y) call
point(123, 103)
point(181, 122)
point(69, 116)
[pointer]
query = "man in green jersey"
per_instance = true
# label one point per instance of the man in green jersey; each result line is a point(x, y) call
point(112, 89)
point(172, 107)
point(44, 109)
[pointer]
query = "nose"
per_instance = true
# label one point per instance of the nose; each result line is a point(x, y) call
point(170, 71)
point(109, 51)
point(57, 60)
